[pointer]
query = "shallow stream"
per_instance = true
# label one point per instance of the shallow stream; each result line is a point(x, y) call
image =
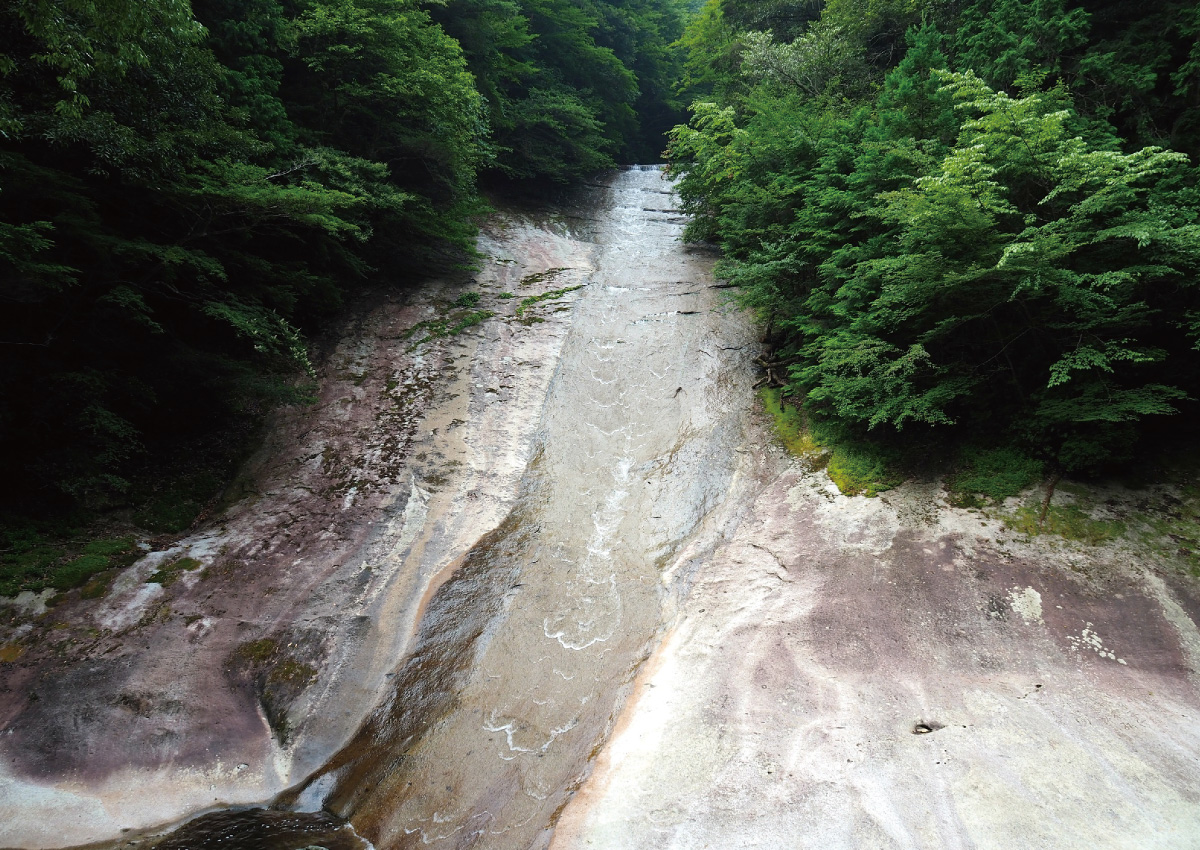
point(526, 654)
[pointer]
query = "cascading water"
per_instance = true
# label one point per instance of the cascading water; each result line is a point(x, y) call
point(526, 653)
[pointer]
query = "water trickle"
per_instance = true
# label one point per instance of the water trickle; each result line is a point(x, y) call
point(525, 655)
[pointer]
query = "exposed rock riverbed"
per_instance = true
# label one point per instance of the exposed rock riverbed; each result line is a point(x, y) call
point(548, 582)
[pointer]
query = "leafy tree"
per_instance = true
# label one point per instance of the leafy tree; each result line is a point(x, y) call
point(185, 197)
point(1032, 273)
point(159, 254)
point(941, 252)
point(710, 53)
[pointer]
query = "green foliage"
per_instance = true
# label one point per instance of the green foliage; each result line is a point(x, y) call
point(820, 61)
point(26, 562)
point(570, 85)
point(185, 199)
point(933, 252)
point(1004, 41)
point(709, 47)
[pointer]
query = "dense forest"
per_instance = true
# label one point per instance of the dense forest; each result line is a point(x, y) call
point(962, 223)
point(971, 221)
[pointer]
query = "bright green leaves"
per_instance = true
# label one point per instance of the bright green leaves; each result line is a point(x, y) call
point(265, 329)
point(705, 154)
point(1104, 358)
point(1023, 247)
point(821, 61)
point(555, 134)
point(869, 380)
point(385, 83)
point(943, 252)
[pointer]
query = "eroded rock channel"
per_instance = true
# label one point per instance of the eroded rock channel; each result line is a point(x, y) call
point(469, 533)
point(526, 652)
point(550, 583)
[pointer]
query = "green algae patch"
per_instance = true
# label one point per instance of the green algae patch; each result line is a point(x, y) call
point(292, 673)
point(445, 326)
point(470, 320)
point(97, 557)
point(542, 277)
point(167, 575)
point(278, 676)
point(256, 651)
point(552, 295)
point(856, 467)
point(467, 299)
point(790, 425)
point(860, 471)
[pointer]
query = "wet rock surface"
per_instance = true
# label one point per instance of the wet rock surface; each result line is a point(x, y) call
point(889, 673)
point(526, 653)
point(548, 582)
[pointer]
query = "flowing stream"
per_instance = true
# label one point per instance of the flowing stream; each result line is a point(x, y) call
point(526, 654)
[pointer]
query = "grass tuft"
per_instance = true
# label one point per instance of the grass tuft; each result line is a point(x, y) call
point(467, 299)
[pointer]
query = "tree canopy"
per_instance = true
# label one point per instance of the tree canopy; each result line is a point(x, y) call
point(978, 218)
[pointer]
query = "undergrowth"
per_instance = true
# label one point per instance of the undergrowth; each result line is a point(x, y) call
point(994, 474)
point(40, 556)
point(1068, 521)
point(856, 466)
